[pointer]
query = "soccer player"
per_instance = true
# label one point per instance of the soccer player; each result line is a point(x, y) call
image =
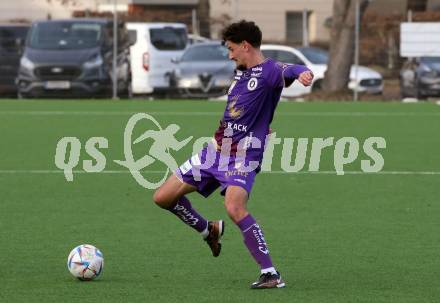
point(233, 159)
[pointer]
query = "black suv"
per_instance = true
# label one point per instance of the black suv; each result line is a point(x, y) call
point(74, 58)
point(12, 37)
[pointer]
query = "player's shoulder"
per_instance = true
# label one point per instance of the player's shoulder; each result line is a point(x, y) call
point(271, 71)
point(263, 73)
point(264, 70)
point(271, 67)
point(273, 64)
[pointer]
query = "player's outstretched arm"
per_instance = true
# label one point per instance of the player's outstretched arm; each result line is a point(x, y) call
point(294, 72)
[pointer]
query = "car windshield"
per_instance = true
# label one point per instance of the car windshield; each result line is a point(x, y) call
point(169, 38)
point(315, 55)
point(64, 35)
point(430, 60)
point(206, 53)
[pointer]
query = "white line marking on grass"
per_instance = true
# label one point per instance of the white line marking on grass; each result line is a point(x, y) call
point(276, 172)
point(218, 113)
point(40, 171)
point(103, 113)
point(357, 172)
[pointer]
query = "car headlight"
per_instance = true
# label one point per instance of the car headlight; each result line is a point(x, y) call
point(94, 62)
point(223, 82)
point(26, 63)
point(187, 82)
point(425, 68)
point(429, 74)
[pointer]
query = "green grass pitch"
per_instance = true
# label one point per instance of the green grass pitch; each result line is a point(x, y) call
point(353, 238)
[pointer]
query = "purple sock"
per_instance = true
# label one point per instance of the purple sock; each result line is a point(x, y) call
point(254, 240)
point(189, 215)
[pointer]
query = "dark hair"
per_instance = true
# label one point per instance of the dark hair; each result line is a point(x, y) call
point(243, 31)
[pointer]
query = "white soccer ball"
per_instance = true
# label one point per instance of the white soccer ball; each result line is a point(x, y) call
point(85, 262)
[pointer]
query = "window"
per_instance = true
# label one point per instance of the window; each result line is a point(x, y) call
point(132, 36)
point(65, 35)
point(269, 53)
point(168, 38)
point(294, 27)
point(417, 5)
point(288, 57)
point(430, 60)
point(314, 54)
point(206, 53)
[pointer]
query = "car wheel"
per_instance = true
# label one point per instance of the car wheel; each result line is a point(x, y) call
point(403, 92)
point(419, 94)
point(129, 93)
point(317, 86)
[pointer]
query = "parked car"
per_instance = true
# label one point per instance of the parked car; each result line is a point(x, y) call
point(73, 57)
point(316, 59)
point(12, 37)
point(204, 70)
point(156, 45)
point(420, 78)
point(194, 38)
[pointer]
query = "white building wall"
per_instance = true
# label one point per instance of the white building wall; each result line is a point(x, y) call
point(270, 16)
point(40, 9)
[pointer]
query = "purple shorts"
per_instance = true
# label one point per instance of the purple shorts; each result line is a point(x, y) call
point(208, 170)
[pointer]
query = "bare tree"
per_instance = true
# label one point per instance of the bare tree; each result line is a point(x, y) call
point(342, 44)
point(204, 19)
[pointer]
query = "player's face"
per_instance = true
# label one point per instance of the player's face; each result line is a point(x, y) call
point(237, 53)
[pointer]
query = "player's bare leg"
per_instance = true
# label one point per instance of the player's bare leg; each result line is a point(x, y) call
point(235, 202)
point(167, 195)
point(171, 196)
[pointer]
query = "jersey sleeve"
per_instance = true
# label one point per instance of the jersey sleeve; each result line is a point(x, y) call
point(286, 74)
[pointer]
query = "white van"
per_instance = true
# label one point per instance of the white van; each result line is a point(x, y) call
point(156, 44)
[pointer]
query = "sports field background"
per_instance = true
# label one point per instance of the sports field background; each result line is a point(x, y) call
point(353, 238)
